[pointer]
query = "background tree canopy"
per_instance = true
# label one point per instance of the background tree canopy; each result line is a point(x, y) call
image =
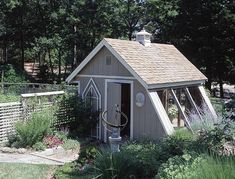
point(58, 34)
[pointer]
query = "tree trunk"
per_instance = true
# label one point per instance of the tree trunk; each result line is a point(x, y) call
point(50, 62)
point(22, 52)
point(65, 71)
point(75, 50)
point(22, 42)
point(39, 59)
point(59, 76)
point(221, 87)
point(4, 52)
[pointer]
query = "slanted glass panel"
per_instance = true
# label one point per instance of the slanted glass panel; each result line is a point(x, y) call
point(172, 109)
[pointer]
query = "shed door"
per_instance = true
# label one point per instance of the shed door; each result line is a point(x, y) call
point(113, 99)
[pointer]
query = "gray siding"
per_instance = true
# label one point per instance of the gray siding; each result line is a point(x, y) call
point(145, 121)
point(97, 66)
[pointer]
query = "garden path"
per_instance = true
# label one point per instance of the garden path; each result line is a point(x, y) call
point(48, 157)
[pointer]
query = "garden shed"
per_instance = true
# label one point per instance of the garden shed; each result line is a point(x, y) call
point(155, 85)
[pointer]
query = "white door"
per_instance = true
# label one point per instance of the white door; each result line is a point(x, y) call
point(113, 100)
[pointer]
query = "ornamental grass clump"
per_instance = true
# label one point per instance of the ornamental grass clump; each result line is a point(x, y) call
point(115, 165)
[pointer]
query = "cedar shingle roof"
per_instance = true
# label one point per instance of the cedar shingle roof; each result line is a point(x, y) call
point(157, 64)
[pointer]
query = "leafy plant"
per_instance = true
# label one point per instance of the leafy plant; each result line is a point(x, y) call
point(71, 144)
point(39, 146)
point(201, 166)
point(87, 155)
point(146, 154)
point(33, 130)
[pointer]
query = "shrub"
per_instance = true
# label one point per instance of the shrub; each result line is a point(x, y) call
point(81, 117)
point(71, 144)
point(39, 146)
point(146, 154)
point(8, 98)
point(179, 167)
point(33, 130)
point(87, 155)
point(175, 144)
point(216, 137)
point(11, 75)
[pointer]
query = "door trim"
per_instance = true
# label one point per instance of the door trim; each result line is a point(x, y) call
point(131, 102)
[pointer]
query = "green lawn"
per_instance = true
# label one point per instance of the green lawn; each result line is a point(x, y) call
point(25, 171)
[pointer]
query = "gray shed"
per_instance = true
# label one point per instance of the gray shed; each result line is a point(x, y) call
point(147, 80)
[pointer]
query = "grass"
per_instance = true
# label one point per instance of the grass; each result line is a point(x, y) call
point(25, 171)
point(217, 168)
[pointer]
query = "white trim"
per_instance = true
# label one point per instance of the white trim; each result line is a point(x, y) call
point(207, 101)
point(108, 77)
point(27, 95)
point(176, 84)
point(132, 103)
point(94, 52)
point(193, 104)
point(91, 84)
point(161, 112)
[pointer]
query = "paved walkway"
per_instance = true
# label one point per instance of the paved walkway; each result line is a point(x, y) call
point(48, 157)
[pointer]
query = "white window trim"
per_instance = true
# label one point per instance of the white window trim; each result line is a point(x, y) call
point(132, 103)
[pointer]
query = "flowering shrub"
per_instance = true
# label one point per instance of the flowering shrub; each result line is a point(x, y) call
point(52, 141)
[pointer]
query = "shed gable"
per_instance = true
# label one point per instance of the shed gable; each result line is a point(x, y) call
point(105, 63)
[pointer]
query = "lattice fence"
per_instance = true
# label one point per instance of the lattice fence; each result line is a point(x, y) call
point(12, 112)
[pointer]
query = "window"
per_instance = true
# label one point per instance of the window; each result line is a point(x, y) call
point(92, 97)
point(108, 60)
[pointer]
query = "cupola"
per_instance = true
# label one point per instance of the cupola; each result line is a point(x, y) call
point(143, 37)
